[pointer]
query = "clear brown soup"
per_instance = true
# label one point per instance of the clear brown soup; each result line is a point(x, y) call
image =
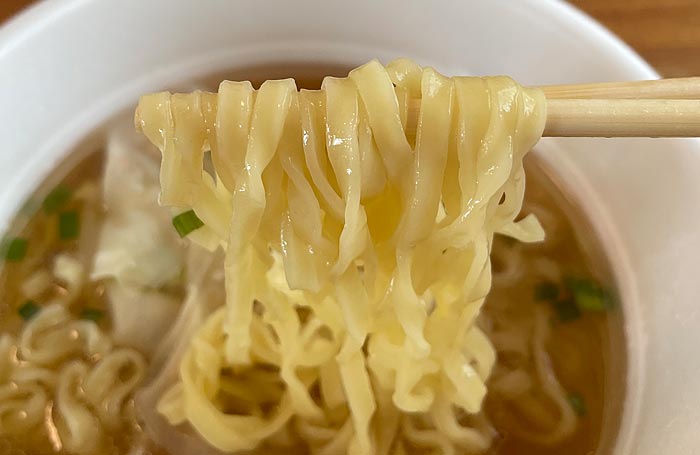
point(586, 350)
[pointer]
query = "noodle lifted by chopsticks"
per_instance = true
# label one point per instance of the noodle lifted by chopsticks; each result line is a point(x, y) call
point(357, 255)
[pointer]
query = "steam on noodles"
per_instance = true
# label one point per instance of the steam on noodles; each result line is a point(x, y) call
point(356, 254)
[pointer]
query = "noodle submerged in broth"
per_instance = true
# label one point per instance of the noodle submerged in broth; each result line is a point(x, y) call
point(318, 286)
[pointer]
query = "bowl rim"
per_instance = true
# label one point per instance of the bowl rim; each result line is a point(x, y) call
point(33, 19)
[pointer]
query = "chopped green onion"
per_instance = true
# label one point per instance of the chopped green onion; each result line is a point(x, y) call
point(187, 222)
point(28, 310)
point(566, 310)
point(588, 294)
point(546, 291)
point(92, 314)
point(14, 249)
point(68, 225)
point(577, 404)
point(56, 199)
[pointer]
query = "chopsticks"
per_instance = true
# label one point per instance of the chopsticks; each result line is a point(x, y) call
point(622, 118)
point(657, 108)
point(680, 88)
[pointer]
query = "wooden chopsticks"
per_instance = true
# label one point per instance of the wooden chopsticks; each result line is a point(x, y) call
point(622, 118)
point(657, 108)
point(682, 88)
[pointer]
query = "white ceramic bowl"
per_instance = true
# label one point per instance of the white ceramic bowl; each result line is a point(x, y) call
point(68, 65)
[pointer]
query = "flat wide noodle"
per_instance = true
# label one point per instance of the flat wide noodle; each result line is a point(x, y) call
point(357, 254)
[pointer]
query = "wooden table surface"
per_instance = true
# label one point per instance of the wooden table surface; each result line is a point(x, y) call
point(665, 32)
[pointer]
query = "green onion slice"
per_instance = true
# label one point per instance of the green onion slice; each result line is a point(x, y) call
point(68, 225)
point(588, 294)
point(56, 199)
point(14, 249)
point(28, 310)
point(187, 222)
point(92, 314)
